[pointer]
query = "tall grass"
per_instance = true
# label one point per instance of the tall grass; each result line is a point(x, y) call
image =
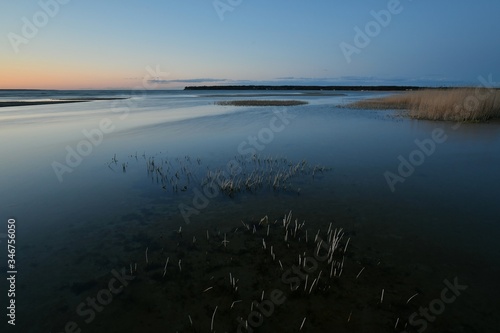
point(459, 104)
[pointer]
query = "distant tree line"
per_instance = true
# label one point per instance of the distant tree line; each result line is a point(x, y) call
point(289, 87)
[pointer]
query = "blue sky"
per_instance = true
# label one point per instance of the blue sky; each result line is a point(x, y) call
point(109, 44)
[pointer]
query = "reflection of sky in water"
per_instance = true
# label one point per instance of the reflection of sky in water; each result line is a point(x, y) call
point(359, 145)
point(452, 196)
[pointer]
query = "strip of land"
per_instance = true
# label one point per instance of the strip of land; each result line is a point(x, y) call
point(294, 94)
point(320, 88)
point(56, 101)
point(459, 104)
point(261, 102)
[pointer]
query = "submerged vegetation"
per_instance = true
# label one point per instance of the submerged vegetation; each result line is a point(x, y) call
point(250, 173)
point(461, 104)
point(261, 172)
point(215, 276)
point(260, 102)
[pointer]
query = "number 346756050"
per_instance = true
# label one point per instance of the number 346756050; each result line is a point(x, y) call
point(11, 230)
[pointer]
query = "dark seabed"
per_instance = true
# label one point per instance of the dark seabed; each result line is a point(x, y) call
point(105, 193)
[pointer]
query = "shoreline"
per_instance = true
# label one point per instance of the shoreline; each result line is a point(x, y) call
point(319, 88)
point(58, 101)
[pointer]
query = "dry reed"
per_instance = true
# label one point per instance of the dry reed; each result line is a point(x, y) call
point(458, 104)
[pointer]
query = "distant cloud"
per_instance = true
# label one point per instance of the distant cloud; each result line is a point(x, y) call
point(198, 80)
point(303, 79)
point(359, 78)
point(370, 80)
point(286, 78)
point(432, 81)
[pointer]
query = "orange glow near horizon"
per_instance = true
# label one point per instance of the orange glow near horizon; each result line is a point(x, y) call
point(28, 75)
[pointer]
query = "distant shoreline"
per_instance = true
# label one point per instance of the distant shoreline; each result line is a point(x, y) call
point(318, 88)
point(57, 101)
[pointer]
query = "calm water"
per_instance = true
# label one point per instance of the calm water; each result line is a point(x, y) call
point(75, 178)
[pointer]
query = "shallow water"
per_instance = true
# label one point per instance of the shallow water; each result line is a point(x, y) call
point(441, 223)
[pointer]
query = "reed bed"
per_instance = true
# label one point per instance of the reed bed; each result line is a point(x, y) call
point(460, 104)
point(262, 172)
point(244, 174)
point(218, 276)
point(227, 273)
point(261, 102)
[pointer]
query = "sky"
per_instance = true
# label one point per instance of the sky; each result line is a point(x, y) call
point(168, 44)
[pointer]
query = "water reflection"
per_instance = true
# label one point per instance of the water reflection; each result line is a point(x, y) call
point(442, 216)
